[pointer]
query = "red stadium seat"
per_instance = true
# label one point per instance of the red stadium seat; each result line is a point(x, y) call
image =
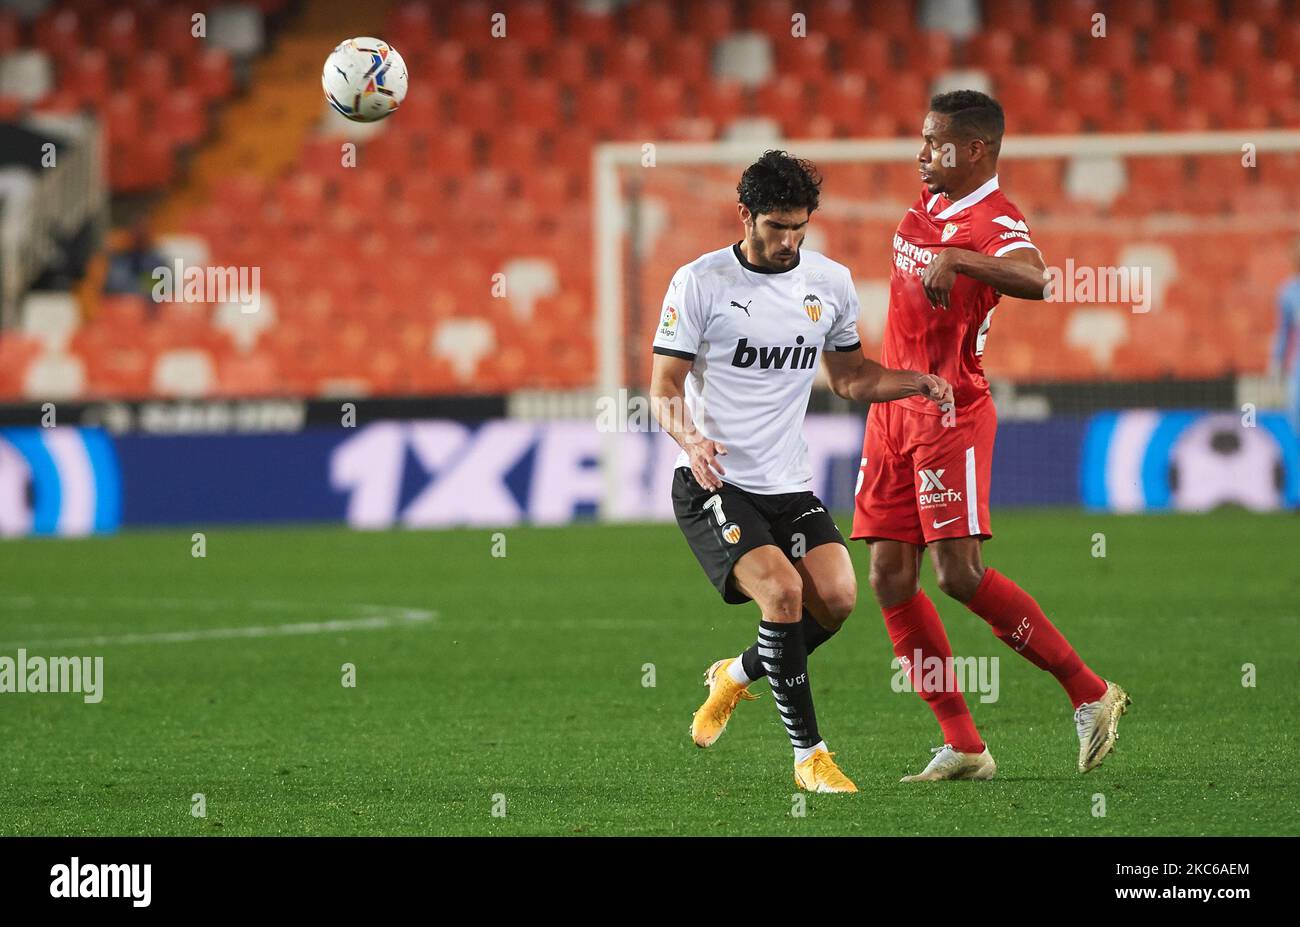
point(211, 74)
point(1116, 51)
point(992, 50)
point(1268, 13)
point(118, 33)
point(723, 102)
point(412, 25)
point(1150, 92)
point(171, 31)
point(653, 20)
point(1026, 95)
point(1090, 95)
point(808, 58)
point(149, 75)
point(182, 117)
point(567, 62)
point(845, 100)
point(593, 26)
point(481, 106)
point(927, 52)
point(505, 62)
point(1053, 50)
point(711, 20)
point(87, 75)
point(471, 22)
point(516, 144)
point(897, 18)
point(1214, 91)
point(787, 101)
point(57, 32)
point(633, 63)
point(833, 18)
point(1198, 13)
point(448, 62)
point(603, 105)
point(661, 101)
point(1177, 45)
point(690, 58)
point(539, 104)
point(871, 54)
point(1016, 16)
point(773, 18)
point(530, 21)
point(1238, 47)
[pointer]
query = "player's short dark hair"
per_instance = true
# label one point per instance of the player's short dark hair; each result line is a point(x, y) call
point(971, 114)
point(779, 181)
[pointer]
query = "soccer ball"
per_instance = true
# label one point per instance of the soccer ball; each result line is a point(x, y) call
point(364, 79)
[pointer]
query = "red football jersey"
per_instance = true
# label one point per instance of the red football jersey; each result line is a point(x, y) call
point(929, 338)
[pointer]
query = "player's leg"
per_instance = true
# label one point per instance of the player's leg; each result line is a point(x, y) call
point(959, 468)
point(919, 638)
point(815, 546)
point(766, 575)
point(887, 516)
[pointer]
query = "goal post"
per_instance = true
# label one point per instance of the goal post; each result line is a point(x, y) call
point(657, 206)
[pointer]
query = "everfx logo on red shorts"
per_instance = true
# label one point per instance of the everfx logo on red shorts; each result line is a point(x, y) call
point(932, 491)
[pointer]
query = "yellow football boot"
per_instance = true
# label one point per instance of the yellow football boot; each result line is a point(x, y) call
point(724, 692)
point(819, 773)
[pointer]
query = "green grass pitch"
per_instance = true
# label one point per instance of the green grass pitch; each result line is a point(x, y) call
point(527, 683)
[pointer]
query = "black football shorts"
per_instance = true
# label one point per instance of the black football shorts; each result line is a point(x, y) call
point(723, 526)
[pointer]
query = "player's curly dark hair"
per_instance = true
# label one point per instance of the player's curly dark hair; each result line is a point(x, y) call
point(971, 114)
point(779, 181)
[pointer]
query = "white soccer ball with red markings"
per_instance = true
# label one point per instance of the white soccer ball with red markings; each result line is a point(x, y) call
point(364, 79)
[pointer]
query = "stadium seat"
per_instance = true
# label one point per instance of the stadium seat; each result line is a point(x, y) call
point(181, 372)
point(745, 57)
point(1177, 45)
point(236, 28)
point(55, 376)
point(26, 75)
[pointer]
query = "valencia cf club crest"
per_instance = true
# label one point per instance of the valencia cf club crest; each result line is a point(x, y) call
point(813, 306)
point(949, 230)
point(731, 532)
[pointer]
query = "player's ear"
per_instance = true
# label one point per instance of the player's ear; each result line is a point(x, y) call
point(746, 217)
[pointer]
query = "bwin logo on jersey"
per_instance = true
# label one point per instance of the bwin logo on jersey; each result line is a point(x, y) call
point(793, 357)
point(932, 491)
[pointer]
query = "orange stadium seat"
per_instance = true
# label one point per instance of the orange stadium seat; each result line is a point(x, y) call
point(1176, 44)
point(653, 20)
point(567, 61)
point(711, 20)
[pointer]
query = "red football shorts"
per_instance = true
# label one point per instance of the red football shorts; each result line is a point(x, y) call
point(922, 481)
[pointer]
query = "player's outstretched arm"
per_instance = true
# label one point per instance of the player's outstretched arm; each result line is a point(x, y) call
point(668, 403)
point(858, 378)
point(1019, 273)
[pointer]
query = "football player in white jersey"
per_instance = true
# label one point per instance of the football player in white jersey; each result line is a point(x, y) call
point(736, 354)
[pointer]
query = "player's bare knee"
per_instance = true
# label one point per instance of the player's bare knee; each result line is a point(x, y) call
point(959, 580)
point(892, 587)
point(837, 605)
point(781, 597)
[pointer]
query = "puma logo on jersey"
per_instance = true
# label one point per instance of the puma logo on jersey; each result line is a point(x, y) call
point(1016, 225)
point(785, 357)
point(744, 307)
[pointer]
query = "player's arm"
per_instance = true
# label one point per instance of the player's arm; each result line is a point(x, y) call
point(858, 378)
point(668, 403)
point(1019, 273)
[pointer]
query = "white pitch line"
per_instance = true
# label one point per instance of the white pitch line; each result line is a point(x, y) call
point(397, 617)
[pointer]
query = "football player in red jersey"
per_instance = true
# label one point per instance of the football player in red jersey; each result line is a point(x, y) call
point(925, 471)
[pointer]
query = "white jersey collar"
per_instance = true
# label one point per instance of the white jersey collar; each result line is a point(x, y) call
point(970, 199)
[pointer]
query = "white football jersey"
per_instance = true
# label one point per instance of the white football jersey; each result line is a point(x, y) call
point(756, 336)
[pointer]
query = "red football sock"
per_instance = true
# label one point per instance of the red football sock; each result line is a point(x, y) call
point(914, 626)
point(1019, 623)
